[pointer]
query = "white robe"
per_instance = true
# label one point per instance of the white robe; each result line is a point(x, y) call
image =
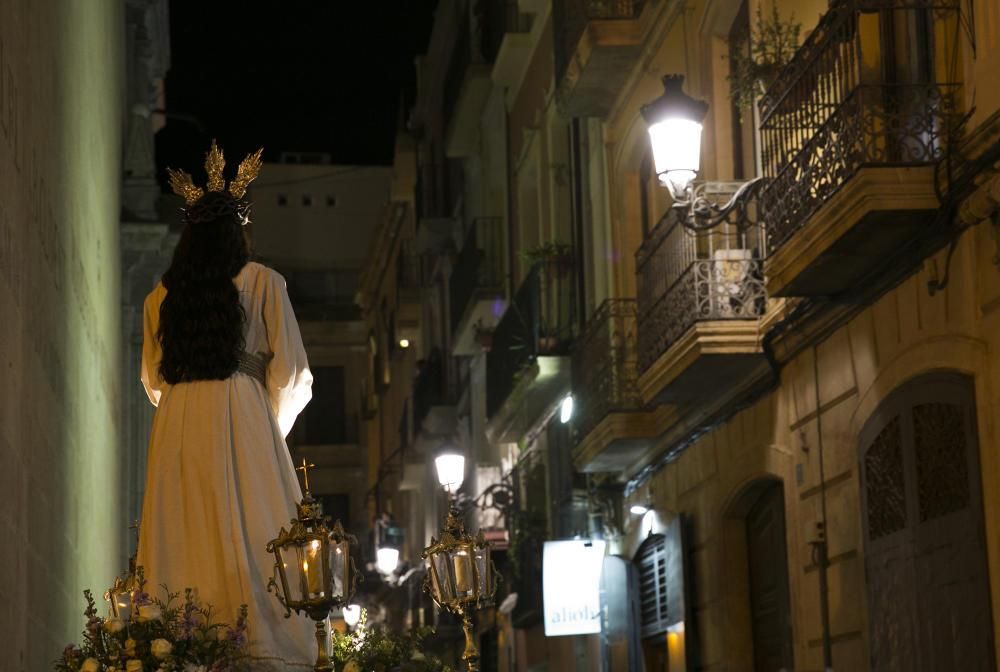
point(220, 482)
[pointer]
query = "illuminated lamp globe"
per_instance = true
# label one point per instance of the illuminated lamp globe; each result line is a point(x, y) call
point(352, 614)
point(450, 470)
point(387, 559)
point(675, 121)
point(566, 409)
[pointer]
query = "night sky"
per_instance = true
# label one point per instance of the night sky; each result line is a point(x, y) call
point(299, 75)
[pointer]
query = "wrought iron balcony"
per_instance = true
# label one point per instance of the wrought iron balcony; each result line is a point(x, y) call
point(529, 348)
point(852, 107)
point(699, 297)
point(605, 366)
point(476, 285)
point(596, 42)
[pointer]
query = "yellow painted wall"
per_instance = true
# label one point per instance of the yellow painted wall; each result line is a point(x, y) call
point(61, 79)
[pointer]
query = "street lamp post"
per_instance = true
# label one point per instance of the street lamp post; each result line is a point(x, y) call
point(675, 121)
point(313, 568)
point(461, 577)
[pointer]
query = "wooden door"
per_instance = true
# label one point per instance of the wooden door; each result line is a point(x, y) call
point(925, 550)
point(768, 565)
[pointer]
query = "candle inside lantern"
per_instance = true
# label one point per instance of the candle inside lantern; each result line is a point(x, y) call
point(463, 572)
point(313, 569)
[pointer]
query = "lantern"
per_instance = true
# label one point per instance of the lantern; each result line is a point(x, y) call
point(119, 596)
point(313, 568)
point(460, 577)
point(674, 121)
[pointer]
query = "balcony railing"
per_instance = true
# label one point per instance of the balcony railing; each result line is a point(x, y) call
point(539, 321)
point(479, 265)
point(848, 100)
point(605, 365)
point(571, 17)
point(684, 278)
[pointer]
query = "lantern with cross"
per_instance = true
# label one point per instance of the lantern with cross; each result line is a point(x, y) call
point(120, 595)
point(313, 568)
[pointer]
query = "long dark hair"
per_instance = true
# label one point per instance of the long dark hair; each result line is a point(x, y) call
point(201, 318)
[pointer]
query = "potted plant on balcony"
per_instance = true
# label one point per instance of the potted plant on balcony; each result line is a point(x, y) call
point(555, 258)
point(758, 59)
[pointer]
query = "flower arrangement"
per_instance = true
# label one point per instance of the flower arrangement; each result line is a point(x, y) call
point(383, 651)
point(160, 636)
point(754, 66)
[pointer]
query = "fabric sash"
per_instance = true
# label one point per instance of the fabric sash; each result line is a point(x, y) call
point(253, 365)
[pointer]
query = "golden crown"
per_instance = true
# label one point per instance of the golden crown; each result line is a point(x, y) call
point(184, 186)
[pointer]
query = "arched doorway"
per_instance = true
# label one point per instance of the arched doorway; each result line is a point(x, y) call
point(767, 564)
point(925, 547)
point(756, 557)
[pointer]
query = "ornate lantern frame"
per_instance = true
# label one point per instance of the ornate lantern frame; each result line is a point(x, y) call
point(313, 589)
point(461, 577)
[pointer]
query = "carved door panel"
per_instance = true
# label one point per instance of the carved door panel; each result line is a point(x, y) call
point(769, 603)
point(925, 553)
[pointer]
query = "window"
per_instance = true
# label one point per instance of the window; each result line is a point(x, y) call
point(652, 562)
point(742, 119)
point(282, 199)
point(325, 418)
point(307, 200)
point(337, 506)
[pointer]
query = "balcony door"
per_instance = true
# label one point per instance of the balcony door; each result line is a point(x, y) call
point(925, 548)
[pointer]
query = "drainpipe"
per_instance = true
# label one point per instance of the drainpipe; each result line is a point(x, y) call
point(820, 549)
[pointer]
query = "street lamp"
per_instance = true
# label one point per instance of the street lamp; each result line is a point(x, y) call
point(450, 468)
point(313, 568)
point(460, 575)
point(352, 614)
point(675, 121)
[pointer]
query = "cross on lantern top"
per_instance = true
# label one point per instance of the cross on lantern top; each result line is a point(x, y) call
point(306, 466)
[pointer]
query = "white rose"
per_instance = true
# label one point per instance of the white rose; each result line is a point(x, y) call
point(149, 612)
point(113, 625)
point(417, 655)
point(130, 647)
point(133, 666)
point(90, 665)
point(161, 648)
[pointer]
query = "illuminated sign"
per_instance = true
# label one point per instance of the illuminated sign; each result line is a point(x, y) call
point(571, 578)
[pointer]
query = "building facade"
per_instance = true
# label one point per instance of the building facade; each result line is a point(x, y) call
point(782, 410)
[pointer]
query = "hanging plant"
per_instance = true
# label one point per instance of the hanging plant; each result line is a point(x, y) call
point(754, 67)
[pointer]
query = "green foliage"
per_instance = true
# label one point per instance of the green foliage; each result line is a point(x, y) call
point(375, 649)
point(753, 67)
point(162, 636)
point(550, 252)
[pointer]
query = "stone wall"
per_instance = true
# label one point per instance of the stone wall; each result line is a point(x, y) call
point(905, 334)
point(60, 123)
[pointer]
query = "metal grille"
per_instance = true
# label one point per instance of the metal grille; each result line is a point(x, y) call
point(605, 365)
point(942, 467)
point(884, 482)
point(827, 114)
point(686, 277)
point(652, 563)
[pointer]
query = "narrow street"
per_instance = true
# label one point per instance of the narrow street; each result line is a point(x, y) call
point(500, 335)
